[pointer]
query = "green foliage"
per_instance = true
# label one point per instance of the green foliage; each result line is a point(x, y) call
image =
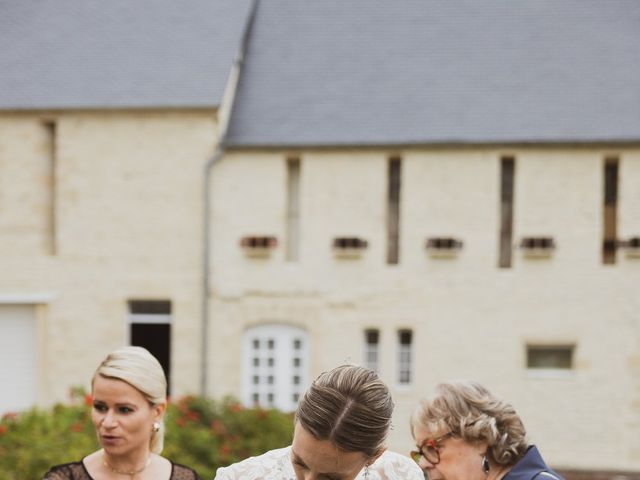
point(205, 434)
point(201, 433)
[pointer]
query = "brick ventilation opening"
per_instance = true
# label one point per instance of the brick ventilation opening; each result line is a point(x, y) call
point(633, 242)
point(543, 243)
point(258, 242)
point(444, 243)
point(350, 243)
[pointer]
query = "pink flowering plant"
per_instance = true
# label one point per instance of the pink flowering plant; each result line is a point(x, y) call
point(205, 434)
point(33, 440)
point(200, 432)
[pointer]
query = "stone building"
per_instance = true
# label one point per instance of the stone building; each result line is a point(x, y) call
point(260, 191)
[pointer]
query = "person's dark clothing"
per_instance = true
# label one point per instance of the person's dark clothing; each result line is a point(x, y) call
point(77, 471)
point(531, 466)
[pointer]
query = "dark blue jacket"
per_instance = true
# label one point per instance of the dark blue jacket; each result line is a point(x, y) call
point(531, 466)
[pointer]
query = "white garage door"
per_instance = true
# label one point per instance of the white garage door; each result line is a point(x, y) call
point(17, 357)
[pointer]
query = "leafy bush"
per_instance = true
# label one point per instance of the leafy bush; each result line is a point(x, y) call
point(201, 433)
point(205, 434)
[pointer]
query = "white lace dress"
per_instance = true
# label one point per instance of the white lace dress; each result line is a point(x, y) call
point(276, 465)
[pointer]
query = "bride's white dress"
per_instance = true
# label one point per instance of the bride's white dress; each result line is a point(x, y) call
point(276, 465)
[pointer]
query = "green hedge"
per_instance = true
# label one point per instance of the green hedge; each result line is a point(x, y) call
point(201, 433)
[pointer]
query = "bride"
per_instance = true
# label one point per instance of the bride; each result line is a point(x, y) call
point(341, 426)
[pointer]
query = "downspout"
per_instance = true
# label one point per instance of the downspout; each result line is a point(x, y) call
point(226, 108)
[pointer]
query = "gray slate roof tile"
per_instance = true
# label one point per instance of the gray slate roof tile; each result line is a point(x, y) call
point(117, 53)
point(340, 72)
point(383, 72)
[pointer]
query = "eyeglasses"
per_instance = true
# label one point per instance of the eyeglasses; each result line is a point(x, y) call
point(430, 450)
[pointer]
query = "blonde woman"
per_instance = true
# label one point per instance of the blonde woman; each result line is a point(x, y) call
point(341, 426)
point(466, 433)
point(129, 400)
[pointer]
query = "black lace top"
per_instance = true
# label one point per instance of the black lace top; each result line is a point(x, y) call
point(77, 471)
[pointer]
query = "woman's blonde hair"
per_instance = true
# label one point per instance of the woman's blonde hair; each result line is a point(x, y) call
point(471, 412)
point(141, 370)
point(349, 406)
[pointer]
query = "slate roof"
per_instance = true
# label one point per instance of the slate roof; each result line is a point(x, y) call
point(72, 54)
point(403, 72)
point(340, 72)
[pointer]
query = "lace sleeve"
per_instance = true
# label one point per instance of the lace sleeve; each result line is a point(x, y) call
point(69, 471)
point(223, 473)
point(276, 465)
point(273, 465)
point(181, 472)
point(393, 466)
point(55, 475)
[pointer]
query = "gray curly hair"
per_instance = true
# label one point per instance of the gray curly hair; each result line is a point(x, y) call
point(471, 412)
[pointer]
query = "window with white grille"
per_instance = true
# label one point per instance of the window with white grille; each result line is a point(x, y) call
point(275, 359)
point(405, 357)
point(372, 349)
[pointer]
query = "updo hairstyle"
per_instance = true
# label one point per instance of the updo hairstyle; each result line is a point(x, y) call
point(141, 370)
point(349, 406)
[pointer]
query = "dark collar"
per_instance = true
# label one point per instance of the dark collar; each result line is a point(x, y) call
point(530, 465)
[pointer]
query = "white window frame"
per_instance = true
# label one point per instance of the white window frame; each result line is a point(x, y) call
point(275, 360)
point(404, 358)
point(372, 351)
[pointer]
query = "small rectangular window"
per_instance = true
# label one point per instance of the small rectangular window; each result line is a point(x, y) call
point(372, 349)
point(150, 307)
point(51, 135)
point(292, 247)
point(610, 230)
point(507, 174)
point(550, 357)
point(150, 327)
point(405, 356)
point(393, 210)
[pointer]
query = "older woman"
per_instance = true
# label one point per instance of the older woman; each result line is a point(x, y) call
point(340, 430)
point(129, 399)
point(466, 433)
